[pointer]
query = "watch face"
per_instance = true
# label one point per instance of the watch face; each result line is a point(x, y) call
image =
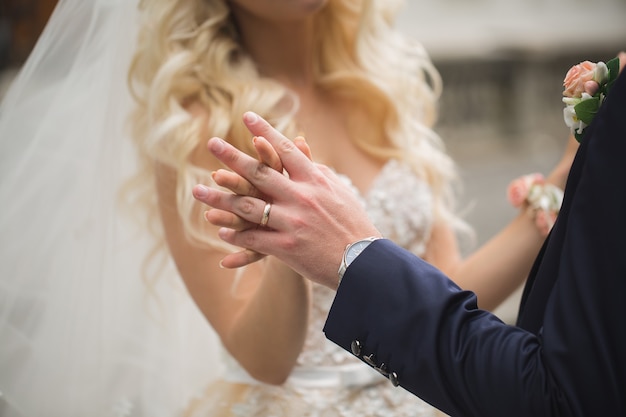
point(355, 250)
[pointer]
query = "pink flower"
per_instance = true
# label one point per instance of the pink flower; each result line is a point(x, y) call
point(576, 78)
point(519, 188)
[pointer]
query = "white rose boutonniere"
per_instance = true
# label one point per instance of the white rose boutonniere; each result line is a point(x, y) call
point(586, 86)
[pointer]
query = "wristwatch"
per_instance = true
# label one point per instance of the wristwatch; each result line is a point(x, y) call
point(351, 252)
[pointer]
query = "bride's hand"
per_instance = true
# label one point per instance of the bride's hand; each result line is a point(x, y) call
point(267, 154)
point(238, 185)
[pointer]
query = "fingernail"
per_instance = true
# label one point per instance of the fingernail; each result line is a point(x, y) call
point(201, 191)
point(250, 117)
point(222, 265)
point(216, 145)
point(223, 232)
point(206, 215)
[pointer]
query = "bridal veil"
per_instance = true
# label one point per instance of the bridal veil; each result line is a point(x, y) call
point(81, 333)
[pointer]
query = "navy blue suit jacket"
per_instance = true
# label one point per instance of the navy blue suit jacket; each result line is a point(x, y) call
point(567, 354)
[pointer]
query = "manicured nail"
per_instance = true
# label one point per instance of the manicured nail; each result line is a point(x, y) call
point(201, 191)
point(223, 233)
point(250, 117)
point(216, 145)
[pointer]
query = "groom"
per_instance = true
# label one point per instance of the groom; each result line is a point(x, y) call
point(565, 357)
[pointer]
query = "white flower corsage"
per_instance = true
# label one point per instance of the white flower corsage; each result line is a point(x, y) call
point(542, 199)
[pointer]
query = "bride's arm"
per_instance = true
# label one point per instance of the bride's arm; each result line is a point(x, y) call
point(498, 267)
point(493, 271)
point(260, 312)
point(503, 263)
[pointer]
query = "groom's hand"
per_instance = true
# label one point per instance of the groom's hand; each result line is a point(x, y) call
point(313, 214)
point(239, 185)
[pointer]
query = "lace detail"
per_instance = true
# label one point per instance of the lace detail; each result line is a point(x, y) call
point(259, 400)
point(400, 204)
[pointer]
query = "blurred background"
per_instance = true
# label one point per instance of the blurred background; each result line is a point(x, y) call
point(502, 63)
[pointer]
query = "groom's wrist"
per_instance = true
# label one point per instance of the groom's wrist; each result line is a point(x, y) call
point(351, 252)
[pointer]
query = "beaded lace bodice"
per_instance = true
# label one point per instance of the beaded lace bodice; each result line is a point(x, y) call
point(400, 204)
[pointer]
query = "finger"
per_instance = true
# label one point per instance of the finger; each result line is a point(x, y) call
point(301, 144)
point(266, 180)
point(248, 208)
point(223, 218)
point(295, 162)
point(254, 240)
point(235, 183)
point(267, 154)
point(242, 258)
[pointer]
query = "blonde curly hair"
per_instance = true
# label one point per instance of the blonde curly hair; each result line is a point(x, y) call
point(188, 50)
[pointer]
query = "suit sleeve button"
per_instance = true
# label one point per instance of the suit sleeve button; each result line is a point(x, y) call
point(393, 378)
point(370, 360)
point(356, 346)
point(383, 370)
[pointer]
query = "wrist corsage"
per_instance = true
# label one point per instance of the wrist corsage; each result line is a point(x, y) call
point(586, 86)
point(543, 200)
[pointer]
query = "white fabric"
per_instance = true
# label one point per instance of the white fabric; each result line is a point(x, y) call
point(354, 374)
point(328, 380)
point(80, 333)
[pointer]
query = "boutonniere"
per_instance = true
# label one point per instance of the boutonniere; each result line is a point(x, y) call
point(586, 86)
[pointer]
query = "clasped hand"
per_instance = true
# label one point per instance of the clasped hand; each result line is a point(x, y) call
point(313, 214)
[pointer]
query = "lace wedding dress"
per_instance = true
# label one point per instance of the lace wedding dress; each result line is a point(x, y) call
point(81, 334)
point(328, 381)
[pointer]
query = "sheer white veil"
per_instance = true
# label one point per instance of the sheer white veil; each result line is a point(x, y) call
point(80, 333)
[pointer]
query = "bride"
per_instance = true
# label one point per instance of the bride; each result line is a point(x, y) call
point(109, 274)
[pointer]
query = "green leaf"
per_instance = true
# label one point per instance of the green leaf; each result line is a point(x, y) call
point(613, 66)
point(578, 136)
point(587, 109)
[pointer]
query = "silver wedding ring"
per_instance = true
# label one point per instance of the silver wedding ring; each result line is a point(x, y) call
point(266, 215)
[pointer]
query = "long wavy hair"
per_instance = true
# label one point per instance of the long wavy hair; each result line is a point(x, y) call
point(188, 50)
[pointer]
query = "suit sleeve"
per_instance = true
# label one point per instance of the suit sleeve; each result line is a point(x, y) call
point(409, 316)
point(442, 348)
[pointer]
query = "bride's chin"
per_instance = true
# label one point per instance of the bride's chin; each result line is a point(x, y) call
point(314, 5)
point(302, 9)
